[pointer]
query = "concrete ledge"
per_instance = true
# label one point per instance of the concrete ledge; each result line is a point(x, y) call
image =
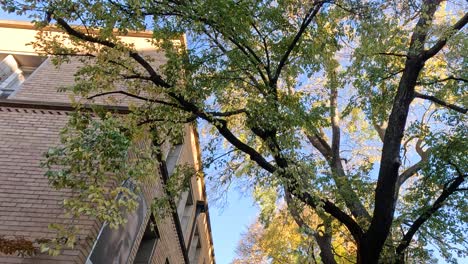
point(59, 106)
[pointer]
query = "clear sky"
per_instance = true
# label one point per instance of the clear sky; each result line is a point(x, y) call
point(228, 222)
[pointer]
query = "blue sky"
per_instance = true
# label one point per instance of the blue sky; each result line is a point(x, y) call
point(228, 222)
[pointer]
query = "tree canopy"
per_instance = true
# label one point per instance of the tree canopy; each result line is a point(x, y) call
point(353, 109)
point(281, 240)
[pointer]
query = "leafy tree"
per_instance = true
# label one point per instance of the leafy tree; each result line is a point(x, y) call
point(355, 109)
point(282, 241)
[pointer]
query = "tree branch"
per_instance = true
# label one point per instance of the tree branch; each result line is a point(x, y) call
point(334, 116)
point(226, 52)
point(380, 129)
point(439, 202)
point(152, 120)
point(339, 176)
point(256, 61)
point(440, 102)
point(392, 54)
point(441, 42)
point(294, 188)
point(443, 80)
point(265, 47)
point(324, 241)
point(155, 77)
point(228, 113)
point(136, 97)
point(135, 76)
point(408, 173)
point(333, 210)
point(296, 215)
point(221, 125)
point(305, 23)
point(321, 145)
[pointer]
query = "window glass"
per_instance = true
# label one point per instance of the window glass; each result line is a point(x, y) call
point(147, 244)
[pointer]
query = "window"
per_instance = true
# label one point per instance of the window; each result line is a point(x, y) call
point(185, 215)
point(173, 158)
point(14, 70)
point(114, 245)
point(147, 244)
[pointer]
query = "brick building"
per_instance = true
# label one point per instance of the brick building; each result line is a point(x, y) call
point(32, 113)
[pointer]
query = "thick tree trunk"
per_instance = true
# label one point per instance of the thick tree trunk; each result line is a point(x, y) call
point(367, 254)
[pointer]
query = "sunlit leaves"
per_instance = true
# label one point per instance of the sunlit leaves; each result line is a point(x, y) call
point(96, 156)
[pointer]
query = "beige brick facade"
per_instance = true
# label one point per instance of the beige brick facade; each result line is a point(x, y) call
point(30, 122)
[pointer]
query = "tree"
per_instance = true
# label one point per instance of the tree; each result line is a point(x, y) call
point(280, 240)
point(354, 109)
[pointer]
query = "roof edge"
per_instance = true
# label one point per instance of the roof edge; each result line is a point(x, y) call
point(4, 23)
point(67, 107)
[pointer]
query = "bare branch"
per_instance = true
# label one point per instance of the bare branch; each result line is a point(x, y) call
point(440, 102)
point(321, 145)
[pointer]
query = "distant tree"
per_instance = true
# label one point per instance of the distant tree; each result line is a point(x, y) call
point(281, 240)
point(355, 109)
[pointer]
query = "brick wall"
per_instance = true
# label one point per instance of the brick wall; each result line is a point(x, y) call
point(27, 203)
point(47, 79)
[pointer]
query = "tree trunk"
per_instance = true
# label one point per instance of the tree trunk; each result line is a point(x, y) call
point(368, 253)
point(325, 245)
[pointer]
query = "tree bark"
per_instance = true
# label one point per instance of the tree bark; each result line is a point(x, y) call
point(325, 244)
